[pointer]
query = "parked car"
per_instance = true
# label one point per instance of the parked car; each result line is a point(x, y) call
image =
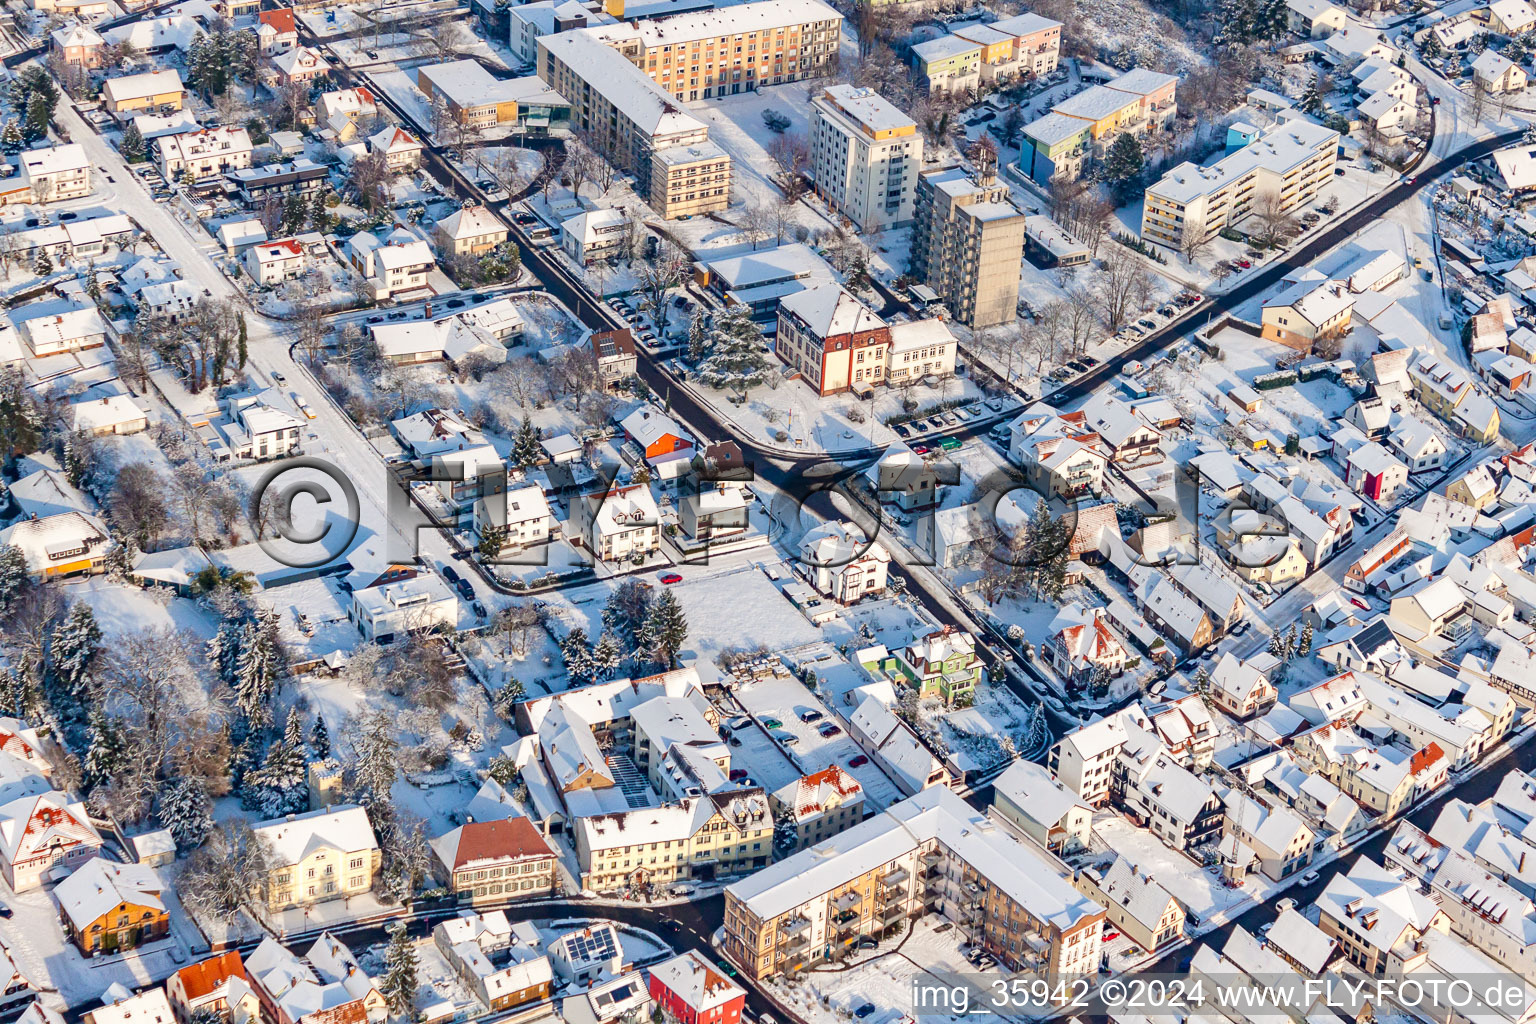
point(279, 377)
point(1310, 877)
point(450, 574)
point(829, 730)
point(810, 715)
point(466, 589)
point(772, 723)
point(670, 578)
point(864, 1011)
point(858, 761)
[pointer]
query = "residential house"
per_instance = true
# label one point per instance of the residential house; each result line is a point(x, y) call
point(618, 524)
point(1134, 902)
point(401, 150)
point(77, 44)
point(272, 263)
point(295, 67)
point(151, 92)
point(1272, 839)
point(111, 908)
point(469, 230)
point(55, 174)
point(60, 545)
point(109, 415)
point(504, 965)
point(1377, 916)
point(1307, 313)
point(518, 518)
point(1241, 688)
point(819, 805)
point(392, 610)
point(40, 832)
point(1374, 472)
point(276, 31)
point(1082, 646)
point(325, 854)
point(199, 154)
point(398, 265)
point(1029, 796)
point(616, 358)
point(323, 987)
point(842, 564)
point(218, 986)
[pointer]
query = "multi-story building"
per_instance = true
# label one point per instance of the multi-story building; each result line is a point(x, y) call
point(832, 340)
point(271, 263)
point(153, 92)
point(1377, 915)
point(865, 156)
point(55, 174)
point(616, 358)
point(323, 855)
point(77, 44)
point(478, 100)
point(301, 177)
point(691, 990)
point(619, 523)
point(1056, 145)
point(41, 831)
point(1033, 799)
point(1024, 46)
point(325, 986)
point(504, 965)
point(496, 861)
point(690, 180)
point(820, 805)
point(949, 64)
point(1135, 903)
point(931, 853)
point(396, 264)
point(218, 986)
point(201, 153)
point(842, 564)
point(968, 245)
point(700, 837)
point(1291, 161)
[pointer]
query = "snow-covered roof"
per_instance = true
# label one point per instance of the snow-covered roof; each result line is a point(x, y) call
point(1279, 148)
point(1037, 793)
point(653, 110)
point(864, 107)
point(829, 310)
point(293, 838)
point(141, 86)
point(696, 982)
point(148, 1007)
point(934, 814)
point(98, 887)
point(1135, 892)
point(471, 222)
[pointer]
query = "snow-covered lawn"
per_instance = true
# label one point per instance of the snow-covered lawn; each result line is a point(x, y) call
point(737, 609)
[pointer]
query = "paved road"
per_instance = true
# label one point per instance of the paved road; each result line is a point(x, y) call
point(1213, 309)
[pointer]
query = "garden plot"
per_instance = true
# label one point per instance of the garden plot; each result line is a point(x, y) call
point(736, 610)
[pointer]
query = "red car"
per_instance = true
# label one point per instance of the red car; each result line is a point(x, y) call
point(1359, 604)
point(1111, 935)
point(830, 730)
point(919, 449)
point(858, 762)
point(670, 577)
point(1244, 264)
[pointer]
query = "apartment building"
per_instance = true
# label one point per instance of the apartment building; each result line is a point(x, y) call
point(1084, 760)
point(865, 156)
point(968, 244)
point(1378, 916)
point(1057, 145)
point(322, 855)
point(690, 180)
point(631, 118)
point(1024, 46)
point(701, 837)
point(1291, 160)
point(201, 153)
point(931, 853)
point(496, 861)
point(833, 341)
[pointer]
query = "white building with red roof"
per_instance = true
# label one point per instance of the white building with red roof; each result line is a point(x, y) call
point(39, 832)
point(274, 262)
point(693, 990)
point(277, 31)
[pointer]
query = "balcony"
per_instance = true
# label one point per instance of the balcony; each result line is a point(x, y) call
point(795, 925)
point(895, 877)
point(932, 857)
point(889, 916)
point(848, 900)
point(795, 944)
point(845, 922)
